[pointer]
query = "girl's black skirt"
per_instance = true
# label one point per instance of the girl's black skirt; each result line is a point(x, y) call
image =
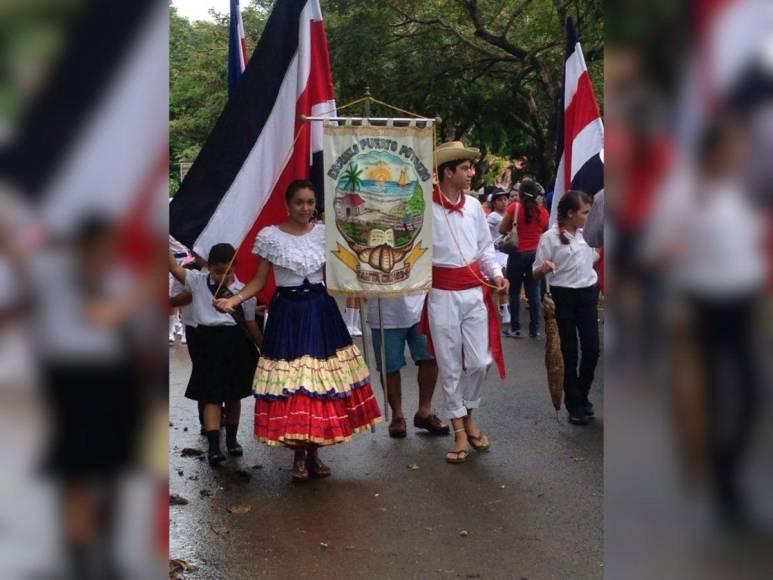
point(224, 362)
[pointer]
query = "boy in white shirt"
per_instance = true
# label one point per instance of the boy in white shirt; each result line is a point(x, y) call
point(400, 319)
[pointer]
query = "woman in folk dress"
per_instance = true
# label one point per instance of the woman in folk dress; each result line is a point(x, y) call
point(312, 387)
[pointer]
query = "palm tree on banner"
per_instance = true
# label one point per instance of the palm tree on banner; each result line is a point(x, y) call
point(351, 178)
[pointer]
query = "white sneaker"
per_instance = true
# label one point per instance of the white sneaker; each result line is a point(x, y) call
point(354, 331)
point(505, 312)
point(183, 338)
point(171, 338)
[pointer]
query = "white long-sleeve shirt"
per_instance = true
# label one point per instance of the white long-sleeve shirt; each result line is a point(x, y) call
point(472, 233)
point(574, 261)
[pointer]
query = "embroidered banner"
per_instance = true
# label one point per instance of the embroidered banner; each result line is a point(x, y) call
point(378, 203)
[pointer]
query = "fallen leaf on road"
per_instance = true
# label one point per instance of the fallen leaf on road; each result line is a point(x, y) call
point(239, 509)
point(464, 533)
point(175, 499)
point(376, 494)
point(220, 531)
point(413, 466)
point(323, 546)
point(190, 452)
point(177, 567)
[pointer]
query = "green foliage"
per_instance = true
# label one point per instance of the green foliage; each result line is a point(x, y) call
point(491, 69)
point(198, 78)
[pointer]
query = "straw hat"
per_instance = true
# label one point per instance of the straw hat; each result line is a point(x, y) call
point(454, 151)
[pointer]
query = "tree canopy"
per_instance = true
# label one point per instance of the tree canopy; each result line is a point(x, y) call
point(491, 69)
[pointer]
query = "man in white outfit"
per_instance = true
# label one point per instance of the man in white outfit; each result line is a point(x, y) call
point(459, 312)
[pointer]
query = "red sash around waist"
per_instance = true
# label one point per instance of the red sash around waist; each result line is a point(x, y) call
point(465, 278)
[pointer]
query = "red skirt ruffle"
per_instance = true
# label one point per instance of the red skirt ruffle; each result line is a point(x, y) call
point(301, 418)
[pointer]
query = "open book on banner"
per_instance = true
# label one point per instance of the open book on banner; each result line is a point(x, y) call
point(378, 202)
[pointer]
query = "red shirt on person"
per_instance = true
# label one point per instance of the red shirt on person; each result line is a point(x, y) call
point(529, 233)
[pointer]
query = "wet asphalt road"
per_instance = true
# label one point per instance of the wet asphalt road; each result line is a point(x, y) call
point(531, 508)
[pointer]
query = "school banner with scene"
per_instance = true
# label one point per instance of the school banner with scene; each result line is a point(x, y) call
point(378, 196)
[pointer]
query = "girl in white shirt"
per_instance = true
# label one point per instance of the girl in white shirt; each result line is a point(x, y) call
point(226, 354)
point(312, 387)
point(566, 258)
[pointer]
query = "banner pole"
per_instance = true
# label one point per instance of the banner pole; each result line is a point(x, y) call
point(383, 361)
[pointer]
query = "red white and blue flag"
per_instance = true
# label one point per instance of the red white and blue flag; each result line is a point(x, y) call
point(580, 151)
point(259, 144)
point(237, 48)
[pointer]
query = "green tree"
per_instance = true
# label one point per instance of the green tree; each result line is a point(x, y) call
point(198, 78)
point(416, 203)
point(491, 69)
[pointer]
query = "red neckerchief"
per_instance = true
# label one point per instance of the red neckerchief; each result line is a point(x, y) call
point(444, 201)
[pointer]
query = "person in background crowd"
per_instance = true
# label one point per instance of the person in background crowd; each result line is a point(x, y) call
point(400, 319)
point(505, 182)
point(531, 221)
point(593, 232)
point(499, 200)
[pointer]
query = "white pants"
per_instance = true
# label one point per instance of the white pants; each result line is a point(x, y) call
point(458, 321)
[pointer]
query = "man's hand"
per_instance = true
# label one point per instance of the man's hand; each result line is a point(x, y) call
point(548, 267)
point(502, 284)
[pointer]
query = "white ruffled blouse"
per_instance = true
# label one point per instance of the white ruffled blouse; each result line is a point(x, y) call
point(294, 258)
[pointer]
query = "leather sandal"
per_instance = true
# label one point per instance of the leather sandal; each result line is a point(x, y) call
point(431, 423)
point(460, 456)
point(478, 446)
point(317, 469)
point(397, 428)
point(300, 472)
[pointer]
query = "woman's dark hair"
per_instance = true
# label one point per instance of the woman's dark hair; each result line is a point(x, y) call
point(452, 165)
point(529, 191)
point(221, 254)
point(296, 186)
point(572, 200)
